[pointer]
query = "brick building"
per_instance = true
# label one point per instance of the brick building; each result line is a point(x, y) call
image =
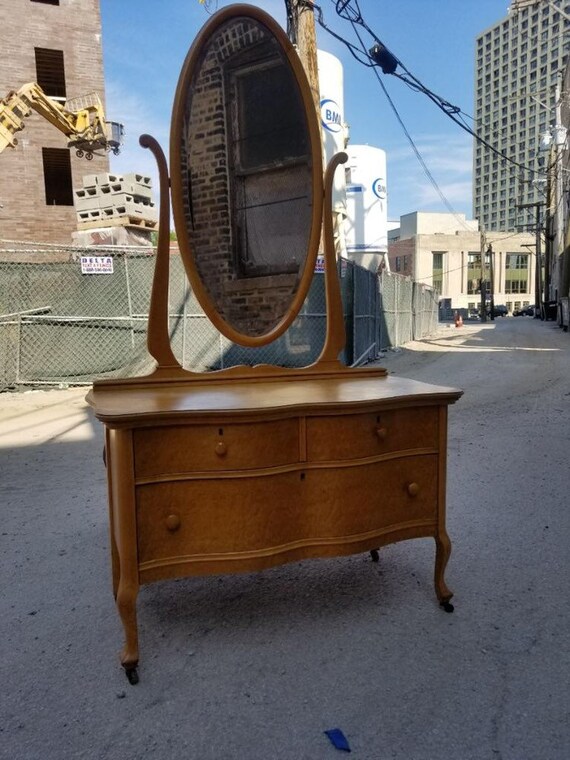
point(56, 43)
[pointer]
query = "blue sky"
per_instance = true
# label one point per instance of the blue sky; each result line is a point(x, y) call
point(146, 41)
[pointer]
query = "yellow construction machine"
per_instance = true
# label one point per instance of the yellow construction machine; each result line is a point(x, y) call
point(82, 120)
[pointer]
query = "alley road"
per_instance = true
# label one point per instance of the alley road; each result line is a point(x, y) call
point(257, 667)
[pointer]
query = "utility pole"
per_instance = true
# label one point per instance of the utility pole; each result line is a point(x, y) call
point(565, 268)
point(559, 143)
point(483, 242)
point(538, 295)
point(538, 302)
point(549, 225)
point(492, 280)
point(302, 33)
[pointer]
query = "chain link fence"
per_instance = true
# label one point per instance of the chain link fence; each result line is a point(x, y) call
point(61, 325)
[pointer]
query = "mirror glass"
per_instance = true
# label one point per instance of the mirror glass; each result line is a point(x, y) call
point(246, 176)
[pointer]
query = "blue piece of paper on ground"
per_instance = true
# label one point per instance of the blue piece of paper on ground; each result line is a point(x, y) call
point(338, 739)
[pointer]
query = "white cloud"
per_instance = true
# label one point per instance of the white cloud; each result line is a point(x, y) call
point(449, 161)
point(455, 192)
point(440, 152)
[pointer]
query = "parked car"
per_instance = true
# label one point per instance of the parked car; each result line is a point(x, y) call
point(499, 311)
point(524, 311)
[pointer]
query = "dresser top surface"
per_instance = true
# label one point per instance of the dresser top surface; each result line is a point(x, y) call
point(136, 404)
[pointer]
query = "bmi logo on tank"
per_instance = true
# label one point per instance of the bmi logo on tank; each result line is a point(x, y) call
point(379, 188)
point(330, 115)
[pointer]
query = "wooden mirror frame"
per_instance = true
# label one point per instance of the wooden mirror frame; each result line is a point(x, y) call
point(176, 179)
point(168, 369)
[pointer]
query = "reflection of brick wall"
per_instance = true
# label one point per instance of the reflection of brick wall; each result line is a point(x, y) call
point(75, 29)
point(262, 301)
point(208, 161)
point(251, 303)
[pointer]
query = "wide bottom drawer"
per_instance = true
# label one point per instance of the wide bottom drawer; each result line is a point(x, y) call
point(248, 515)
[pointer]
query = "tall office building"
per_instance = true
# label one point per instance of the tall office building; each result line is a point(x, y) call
point(518, 62)
point(58, 45)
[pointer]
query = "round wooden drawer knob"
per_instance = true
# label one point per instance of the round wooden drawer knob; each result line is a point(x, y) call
point(221, 449)
point(413, 489)
point(381, 432)
point(173, 523)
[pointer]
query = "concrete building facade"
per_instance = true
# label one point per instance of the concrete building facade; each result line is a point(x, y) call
point(518, 62)
point(56, 43)
point(444, 251)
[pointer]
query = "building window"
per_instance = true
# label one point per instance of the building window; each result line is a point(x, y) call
point(57, 177)
point(437, 270)
point(516, 273)
point(47, 2)
point(516, 286)
point(398, 263)
point(517, 261)
point(474, 274)
point(50, 72)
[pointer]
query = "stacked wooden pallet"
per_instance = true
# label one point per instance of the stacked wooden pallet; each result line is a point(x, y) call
point(108, 200)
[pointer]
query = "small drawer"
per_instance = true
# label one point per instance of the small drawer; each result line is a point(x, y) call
point(218, 516)
point(357, 436)
point(377, 496)
point(205, 448)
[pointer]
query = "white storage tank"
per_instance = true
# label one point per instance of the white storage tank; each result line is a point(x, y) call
point(366, 226)
point(333, 127)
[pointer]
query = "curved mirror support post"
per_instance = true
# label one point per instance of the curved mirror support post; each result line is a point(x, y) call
point(158, 334)
point(336, 332)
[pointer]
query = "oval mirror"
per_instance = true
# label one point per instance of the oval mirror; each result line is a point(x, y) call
point(246, 175)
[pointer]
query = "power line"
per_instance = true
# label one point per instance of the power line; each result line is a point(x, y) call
point(417, 153)
point(381, 56)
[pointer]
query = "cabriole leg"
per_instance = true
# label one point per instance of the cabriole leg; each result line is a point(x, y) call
point(443, 551)
point(127, 607)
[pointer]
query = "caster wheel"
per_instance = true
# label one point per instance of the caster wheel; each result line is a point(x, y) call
point(132, 676)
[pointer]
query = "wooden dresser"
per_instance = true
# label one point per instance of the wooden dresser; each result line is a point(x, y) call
point(243, 476)
point(250, 467)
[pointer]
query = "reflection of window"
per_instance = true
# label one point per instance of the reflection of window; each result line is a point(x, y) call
point(57, 177)
point(269, 152)
point(267, 107)
point(50, 72)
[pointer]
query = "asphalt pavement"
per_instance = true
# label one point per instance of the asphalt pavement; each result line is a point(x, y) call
point(259, 666)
